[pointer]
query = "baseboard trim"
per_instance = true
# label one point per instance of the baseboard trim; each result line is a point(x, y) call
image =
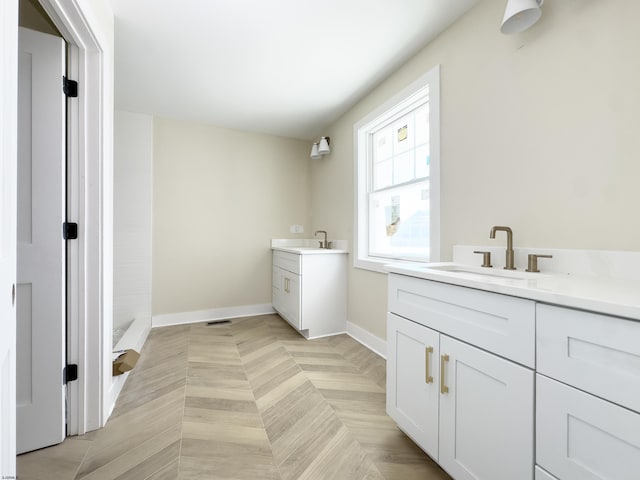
point(368, 339)
point(133, 338)
point(197, 316)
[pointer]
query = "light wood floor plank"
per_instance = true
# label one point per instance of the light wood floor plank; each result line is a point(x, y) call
point(342, 458)
point(168, 472)
point(138, 460)
point(60, 462)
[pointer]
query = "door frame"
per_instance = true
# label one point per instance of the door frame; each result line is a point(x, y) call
point(90, 204)
point(8, 237)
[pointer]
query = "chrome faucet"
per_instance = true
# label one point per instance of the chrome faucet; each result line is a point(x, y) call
point(509, 258)
point(323, 244)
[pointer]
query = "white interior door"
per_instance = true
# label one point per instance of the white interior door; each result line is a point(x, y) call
point(40, 305)
point(8, 70)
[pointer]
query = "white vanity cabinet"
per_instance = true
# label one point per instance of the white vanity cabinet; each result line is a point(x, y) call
point(470, 409)
point(571, 335)
point(587, 395)
point(310, 291)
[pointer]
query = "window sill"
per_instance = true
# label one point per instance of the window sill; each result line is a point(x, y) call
point(377, 264)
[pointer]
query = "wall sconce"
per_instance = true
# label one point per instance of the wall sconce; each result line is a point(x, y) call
point(520, 15)
point(320, 148)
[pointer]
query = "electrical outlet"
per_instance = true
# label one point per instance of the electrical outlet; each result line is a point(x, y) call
point(296, 229)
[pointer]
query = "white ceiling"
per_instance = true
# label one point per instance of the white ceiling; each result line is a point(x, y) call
point(281, 67)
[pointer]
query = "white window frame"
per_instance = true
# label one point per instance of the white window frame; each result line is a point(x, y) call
point(361, 131)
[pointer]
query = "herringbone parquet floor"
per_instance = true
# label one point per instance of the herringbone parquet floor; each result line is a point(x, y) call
point(251, 399)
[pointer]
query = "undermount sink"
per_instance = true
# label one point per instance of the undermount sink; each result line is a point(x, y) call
point(481, 272)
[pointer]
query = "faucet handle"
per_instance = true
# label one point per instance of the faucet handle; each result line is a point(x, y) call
point(486, 258)
point(532, 262)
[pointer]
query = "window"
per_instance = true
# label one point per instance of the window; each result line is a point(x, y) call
point(397, 175)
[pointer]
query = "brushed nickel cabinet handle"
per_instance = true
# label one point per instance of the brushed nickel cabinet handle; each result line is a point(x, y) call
point(444, 359)
point(428, 378)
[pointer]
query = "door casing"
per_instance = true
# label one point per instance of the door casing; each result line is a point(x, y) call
point(8, 230)
point(90, 204)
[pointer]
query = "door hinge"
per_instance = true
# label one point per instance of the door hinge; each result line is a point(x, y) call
point(69, 231)
point(70, 373)
point(69, 87)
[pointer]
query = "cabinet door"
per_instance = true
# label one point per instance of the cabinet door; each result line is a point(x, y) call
point(486, 416)
point(276, 289)
point(286, 295)
point(412, 380)
point(582, 437)
point(280, 293)
point(293, 300)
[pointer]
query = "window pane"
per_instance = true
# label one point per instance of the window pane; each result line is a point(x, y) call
point(403, 170)
point(404, 134)
point(382, 145)
point(382, 174)
point(422, 125)
point(422, 161)
point(399, 222)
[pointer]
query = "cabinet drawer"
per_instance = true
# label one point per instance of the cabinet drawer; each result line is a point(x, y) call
point(287, 261)
point(582, 437)
point(501, 324)
point(596, 353)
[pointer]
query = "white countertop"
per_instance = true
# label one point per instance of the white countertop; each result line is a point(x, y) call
point(308, 246)
point(611, 296)
point(309, 250)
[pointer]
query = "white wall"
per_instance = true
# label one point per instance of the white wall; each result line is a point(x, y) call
point(539, 131)
point(220, 196)
point(133, 176)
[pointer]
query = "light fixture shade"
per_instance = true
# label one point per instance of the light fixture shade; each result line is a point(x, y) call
point(323, 148)
point(314, 152)
point(520, 15)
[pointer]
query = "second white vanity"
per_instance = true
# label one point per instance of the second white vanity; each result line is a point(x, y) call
point(502, 375)
point(309, 286)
